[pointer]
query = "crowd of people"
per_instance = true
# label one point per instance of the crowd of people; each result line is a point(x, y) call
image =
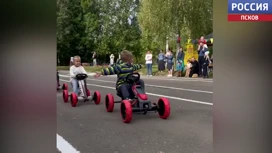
point(192, 67)
point(170, 62)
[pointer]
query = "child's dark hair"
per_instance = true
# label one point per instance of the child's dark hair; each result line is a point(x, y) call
point(126, 56)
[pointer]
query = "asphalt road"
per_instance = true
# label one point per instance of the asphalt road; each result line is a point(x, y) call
point(88, 128)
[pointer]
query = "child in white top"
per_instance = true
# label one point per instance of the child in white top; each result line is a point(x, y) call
point(74, 70)
point(188, 68)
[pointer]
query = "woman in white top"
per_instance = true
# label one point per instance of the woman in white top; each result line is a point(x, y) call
point(111, 59)
point(148, 62)
point(71, 61)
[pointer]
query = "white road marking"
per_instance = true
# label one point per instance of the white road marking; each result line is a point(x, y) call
point(170, 79)
point(150, 85)
point(65, 147)
point(153, 94)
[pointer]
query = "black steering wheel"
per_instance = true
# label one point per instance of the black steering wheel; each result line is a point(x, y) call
point(81, 76)
point(133, 78)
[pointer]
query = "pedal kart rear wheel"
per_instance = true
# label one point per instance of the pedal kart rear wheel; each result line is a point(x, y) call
point(109, 102)
point(74, 99)
point(88, 93)
point(96, 97)
point(126, 111)
point(65, 95)
point(163, 108)
point(65, 87)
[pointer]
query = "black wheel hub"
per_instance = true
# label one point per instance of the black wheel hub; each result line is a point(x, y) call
point(107, 102)
point(123, 111)
point(161, 107)
point(94, 97)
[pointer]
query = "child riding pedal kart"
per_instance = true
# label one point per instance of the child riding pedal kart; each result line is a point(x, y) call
point(78, 81)
point(134, 98)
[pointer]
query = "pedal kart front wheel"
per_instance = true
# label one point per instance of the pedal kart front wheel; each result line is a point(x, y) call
point(163, 108)
point(96, 97)
point(109, 102)
point(126, 111)
point(65, 95)
point(74, 99)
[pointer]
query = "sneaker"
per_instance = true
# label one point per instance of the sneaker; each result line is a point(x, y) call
point(132, 101)
point(81, 95)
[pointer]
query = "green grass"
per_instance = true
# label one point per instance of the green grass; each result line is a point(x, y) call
point(87, 68)
point(142, 71)
point(99, 68)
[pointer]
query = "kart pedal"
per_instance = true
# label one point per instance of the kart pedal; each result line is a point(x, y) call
point(145, 111)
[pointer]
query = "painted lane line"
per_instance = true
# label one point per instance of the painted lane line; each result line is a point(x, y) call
point(65, 147)
point(153, 94)
point(156, 86)
point(168, 79)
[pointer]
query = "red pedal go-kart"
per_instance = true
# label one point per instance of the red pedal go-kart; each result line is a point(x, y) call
point(140, 102)
point(87, 94)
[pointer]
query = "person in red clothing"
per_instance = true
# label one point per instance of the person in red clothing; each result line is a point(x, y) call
point(202, 40)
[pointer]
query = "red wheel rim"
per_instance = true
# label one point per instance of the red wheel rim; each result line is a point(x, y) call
point(73, 100)
point(109, 102)
point(64, 86)
point(88, 93)
point(126, 111)
point(96, 97)
point(65, 96)
point(163, 108)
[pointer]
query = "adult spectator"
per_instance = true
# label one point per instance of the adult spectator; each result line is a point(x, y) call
point(180, 64)
point(169, 57)
point(148, 62)
point(71, 61)
point(161, 63)
point(202, 48)
point(194, 69)
point(94, 59)
point(111, 59)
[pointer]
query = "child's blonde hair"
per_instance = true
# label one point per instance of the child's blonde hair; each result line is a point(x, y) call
point(76, 57)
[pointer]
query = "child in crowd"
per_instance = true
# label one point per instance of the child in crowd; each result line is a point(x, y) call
point(188, 68)
point(202, 40)
point(75, 69)
point(123, 69)
point(206, 64)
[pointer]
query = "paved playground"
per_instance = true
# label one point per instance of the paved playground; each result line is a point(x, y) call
point(88, 128)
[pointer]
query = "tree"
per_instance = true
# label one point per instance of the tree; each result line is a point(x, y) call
point(70, 29)
point(160, 19)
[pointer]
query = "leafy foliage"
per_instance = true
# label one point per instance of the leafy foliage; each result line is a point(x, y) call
point(109, 26)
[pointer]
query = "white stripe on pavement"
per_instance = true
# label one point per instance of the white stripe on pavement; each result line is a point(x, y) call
point(170, 79)
point(65, 147)
point(153, 94)
point(150, 85)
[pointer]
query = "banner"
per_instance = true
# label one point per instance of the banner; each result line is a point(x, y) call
point(249, 10)
point(190, 52)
